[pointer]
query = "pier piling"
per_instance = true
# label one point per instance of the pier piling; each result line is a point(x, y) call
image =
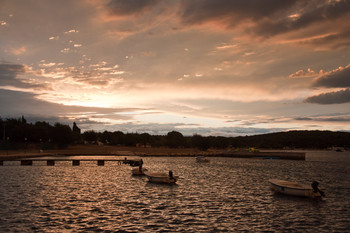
point(50, 162)
point(26, 162)
point(76, 162)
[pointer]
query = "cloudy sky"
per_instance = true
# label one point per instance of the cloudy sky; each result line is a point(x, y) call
point(211, 67)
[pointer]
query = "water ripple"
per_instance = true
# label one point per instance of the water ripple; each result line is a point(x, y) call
point(225, 195)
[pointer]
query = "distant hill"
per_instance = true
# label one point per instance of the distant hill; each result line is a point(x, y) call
point(295, 139)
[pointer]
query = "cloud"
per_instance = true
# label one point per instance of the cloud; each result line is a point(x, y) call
point(10, 70)
point(130, 7)
point(189, 130)
point(230, 12)
point(337, 78)
point(22, 103)
point(328, 41)
point(339, 118)
point(269, 17)
point(9, 77)
point(337, 97)
point(71, 31)
point(305, 74)
point(313, 12)
point(19, 51)
point(321, 24)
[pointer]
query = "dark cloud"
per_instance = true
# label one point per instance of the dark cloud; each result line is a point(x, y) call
point(313, 12)
point(336, 40)
point(273, 17)
point(201, 11)
point(265, 19)
point(128, 7)
point(303, 119)
point(8, 72)
point(254, 131)
point(9, 76)
point(337, 97)
point(337, 119)
point(93, 81)
point(329, 119)
point(15, 103)
point(337, 78)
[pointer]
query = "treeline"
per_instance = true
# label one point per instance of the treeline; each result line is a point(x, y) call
point(17, 133)
point(304, 139)
point(173, 139)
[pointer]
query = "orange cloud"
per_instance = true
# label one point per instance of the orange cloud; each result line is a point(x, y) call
point(18, 51)
point(306, 74)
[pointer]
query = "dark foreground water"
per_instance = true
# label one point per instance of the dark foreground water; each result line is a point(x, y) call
point(225, 195)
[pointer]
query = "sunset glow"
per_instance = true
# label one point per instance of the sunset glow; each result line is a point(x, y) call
point(208, 67)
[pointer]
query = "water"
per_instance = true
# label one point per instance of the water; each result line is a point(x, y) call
point(225, 195)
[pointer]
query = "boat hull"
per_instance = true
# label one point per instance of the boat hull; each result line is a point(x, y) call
point(161, 178)
point(201, 159)
point(293, 189)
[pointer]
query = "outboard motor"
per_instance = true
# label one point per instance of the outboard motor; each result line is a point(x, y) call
point(314, 186)
point(171, 175)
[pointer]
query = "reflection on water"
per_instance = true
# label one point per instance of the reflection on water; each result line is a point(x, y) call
point(226, 194)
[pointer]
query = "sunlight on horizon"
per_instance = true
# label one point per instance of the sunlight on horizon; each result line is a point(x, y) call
point(206, 64)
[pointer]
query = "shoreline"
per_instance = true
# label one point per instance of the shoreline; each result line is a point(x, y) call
point(95, 150)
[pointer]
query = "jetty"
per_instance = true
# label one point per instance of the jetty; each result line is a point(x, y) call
point(51, 161)
point(102, 154)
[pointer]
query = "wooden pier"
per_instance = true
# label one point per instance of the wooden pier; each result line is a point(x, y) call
point(75, 162)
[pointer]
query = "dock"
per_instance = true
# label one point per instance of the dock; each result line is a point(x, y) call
point(75, 162)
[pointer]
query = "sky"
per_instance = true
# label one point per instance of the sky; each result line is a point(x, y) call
point(208, 67)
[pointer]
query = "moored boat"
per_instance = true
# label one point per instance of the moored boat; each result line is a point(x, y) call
point(139, 171)
point(202, 159)
point(296, 189)
point(162, 177)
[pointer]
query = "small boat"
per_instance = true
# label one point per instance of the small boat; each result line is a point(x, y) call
point(133, 163)
point(139, 171)
point(163, 178)
point(296, 189)
point(202, 159)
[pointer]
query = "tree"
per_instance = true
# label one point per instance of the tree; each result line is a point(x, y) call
point(118, 137)
point(90, 136)
point(145, 138)
point(76, 133)
point(62, 135)
point(175, 139)
point(42, 131)
point(200, 142)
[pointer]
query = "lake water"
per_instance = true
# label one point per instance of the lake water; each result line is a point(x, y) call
point(225, 195)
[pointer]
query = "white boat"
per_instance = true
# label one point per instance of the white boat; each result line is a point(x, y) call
point(202, 159)
point(296, 189)
point(138, 171)
point(165, 178)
